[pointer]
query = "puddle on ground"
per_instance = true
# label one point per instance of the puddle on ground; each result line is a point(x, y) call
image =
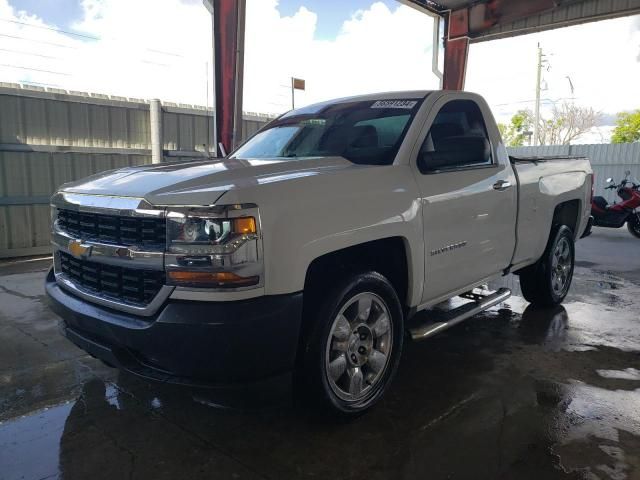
point(626, 374)
point(601, 436)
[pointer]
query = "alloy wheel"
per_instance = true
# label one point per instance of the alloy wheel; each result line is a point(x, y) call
point(359, 346)
point(561, 267)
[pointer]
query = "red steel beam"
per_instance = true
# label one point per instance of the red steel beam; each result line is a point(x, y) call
point(464, 23)
point(228, 45)
point(455, 63)
point(483, 16)
point(456, 50)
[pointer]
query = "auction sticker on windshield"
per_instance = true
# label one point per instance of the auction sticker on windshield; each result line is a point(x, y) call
point(408, 104)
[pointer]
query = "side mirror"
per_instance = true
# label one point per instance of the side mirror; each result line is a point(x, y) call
point(457, 151)
point(609, 180)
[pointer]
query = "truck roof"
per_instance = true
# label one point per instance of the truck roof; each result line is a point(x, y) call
point(409, 94)
point(397, 95)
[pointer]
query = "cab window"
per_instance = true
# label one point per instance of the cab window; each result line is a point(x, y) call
point(457, 139)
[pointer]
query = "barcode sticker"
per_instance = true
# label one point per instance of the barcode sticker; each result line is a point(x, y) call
point(406, 104)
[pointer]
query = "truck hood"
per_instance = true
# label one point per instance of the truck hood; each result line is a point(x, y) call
point(201, 182)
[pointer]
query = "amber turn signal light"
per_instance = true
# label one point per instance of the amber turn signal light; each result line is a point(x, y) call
point(210, 279)
point(244, 225)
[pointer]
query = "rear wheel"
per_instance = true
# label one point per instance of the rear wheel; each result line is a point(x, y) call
point(547, 282)
point(352, 350)
point(633, 224)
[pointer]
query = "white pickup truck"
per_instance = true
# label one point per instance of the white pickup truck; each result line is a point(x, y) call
point(304, 255)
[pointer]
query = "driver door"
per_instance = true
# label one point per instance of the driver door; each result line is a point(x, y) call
point(469, 198)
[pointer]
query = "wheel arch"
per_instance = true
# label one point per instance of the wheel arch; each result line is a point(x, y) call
point(567, 213)
point(388, 256)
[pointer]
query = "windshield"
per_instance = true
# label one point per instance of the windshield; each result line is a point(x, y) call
point(366, 132)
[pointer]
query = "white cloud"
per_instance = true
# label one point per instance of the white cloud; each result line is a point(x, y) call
point(151, 49)
point(130, 48)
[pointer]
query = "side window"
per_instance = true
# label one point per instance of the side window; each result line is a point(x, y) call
point(457, 139)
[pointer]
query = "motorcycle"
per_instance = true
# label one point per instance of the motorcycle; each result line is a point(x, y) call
point(617, 214)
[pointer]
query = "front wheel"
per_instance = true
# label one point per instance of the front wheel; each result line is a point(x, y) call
point(633, 224)
point(547, 282)
point(353, 348)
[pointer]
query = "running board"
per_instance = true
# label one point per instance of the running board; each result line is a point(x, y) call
point(449, 318)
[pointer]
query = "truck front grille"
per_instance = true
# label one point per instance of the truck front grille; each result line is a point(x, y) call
point(141, 231)
point(117, 283)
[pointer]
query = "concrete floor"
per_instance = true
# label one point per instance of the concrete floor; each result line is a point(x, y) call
point(515, 393)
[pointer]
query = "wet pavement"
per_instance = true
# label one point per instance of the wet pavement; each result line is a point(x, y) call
point(515, 393)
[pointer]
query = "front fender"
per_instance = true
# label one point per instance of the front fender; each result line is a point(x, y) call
point(305, 218)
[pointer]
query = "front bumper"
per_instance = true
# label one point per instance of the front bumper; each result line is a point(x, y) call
point(188, 342)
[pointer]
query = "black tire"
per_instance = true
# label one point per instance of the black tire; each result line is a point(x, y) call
point(633, 225)
point(537, 281)
point(313, 381)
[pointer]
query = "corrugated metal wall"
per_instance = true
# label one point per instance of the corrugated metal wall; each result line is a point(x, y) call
point(49, 137)
point(607, 160)
point(565, 14)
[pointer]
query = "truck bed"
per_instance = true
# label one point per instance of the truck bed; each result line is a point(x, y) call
point(543, 183)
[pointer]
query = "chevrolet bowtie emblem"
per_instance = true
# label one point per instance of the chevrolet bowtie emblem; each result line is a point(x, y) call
point(78, 250)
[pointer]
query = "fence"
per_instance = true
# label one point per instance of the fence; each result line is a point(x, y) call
point(49, 137)
point(607, 160)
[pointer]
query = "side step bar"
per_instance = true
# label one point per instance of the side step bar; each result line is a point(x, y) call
point(457, 315)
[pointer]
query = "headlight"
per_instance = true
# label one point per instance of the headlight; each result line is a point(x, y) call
point(215, 248)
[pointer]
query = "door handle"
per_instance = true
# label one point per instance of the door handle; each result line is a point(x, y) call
point(502, 185)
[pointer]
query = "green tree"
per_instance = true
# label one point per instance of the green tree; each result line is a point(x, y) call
point(515, 134)
point(627, 128)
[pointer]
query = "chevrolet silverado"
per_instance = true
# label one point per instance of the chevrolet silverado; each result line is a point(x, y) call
point(304, 255)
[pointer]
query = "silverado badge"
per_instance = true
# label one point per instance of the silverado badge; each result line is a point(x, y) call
point(448, 248)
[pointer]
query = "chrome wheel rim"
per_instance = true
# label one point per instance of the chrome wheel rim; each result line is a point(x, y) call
point(561, 267)
point(359, 346)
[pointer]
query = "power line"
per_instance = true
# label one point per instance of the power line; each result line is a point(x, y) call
point(546, 100)
point(28, 53)
point(34, 69)
point(165, 53)
point(181, 57)
point(81, 35)
point(37, 41)
point(52, 29)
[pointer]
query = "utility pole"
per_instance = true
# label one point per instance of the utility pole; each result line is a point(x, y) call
point(536, 119)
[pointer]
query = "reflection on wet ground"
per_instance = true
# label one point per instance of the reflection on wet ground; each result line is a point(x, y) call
point(516, 392)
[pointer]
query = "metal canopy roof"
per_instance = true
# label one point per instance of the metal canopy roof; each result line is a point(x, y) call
point(489, 19)
point(466, 21)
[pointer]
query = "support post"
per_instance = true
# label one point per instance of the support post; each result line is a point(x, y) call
point(456, 50)
point(228, 25)
point(455, 63)
point(155, 122)
point(293, 94)
point(435, 53)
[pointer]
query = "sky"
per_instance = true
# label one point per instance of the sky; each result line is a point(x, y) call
point(162, 49)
